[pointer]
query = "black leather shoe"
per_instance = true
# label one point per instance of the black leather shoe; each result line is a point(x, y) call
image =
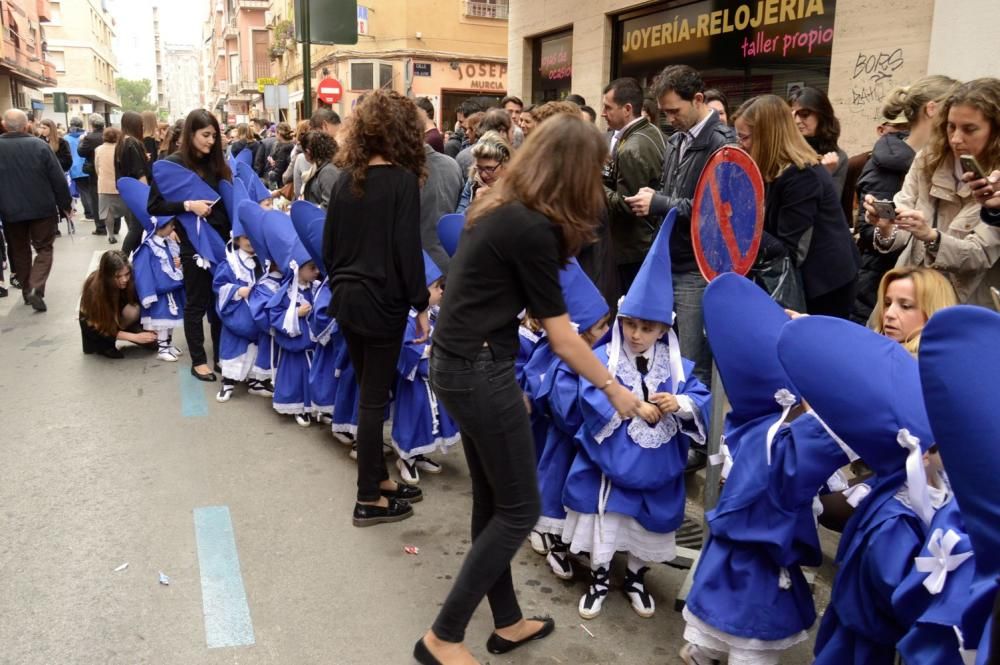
point(112, 352)
point(99, 232)
point(408, 493)
point(3, 291)
point(369, 515)
point(203, 377)
point(423, 655)
point(497, 644)
point(36, 302)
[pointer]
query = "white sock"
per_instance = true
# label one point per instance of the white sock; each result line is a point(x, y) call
point(635, 564)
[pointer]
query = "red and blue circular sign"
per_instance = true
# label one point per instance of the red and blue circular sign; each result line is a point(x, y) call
point(727, 214)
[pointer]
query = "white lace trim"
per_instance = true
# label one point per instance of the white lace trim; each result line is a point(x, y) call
point(238, 368)
point(165, 249)
point(551, 525)
point(743, 650)
point(615, 532)
point(938, 497)
point(290, 409)
point(439, 444)
point(149, 323)
point(344, 428)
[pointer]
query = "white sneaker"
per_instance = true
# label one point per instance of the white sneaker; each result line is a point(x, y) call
point(538, 544)
point(427, 465)
point(344, 438)
point(324, 418)
point(177, 352)
point(166, 356)
point(260, 389)
point(560, 564)
point(225, 393)
point(408, 472)
point(303, 419)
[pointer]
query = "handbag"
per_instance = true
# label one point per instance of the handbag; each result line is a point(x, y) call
point(782, 281)
point(288, 191)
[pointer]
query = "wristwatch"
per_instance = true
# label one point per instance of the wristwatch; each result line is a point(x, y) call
point(935, 244)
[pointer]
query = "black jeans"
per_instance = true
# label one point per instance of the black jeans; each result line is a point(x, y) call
point(374, 360)
point(134, 236)
point(87, 188)
point(200, 300)
point(484, 399)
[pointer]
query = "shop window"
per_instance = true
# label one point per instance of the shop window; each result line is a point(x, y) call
point(552, 67)
point(744, 50)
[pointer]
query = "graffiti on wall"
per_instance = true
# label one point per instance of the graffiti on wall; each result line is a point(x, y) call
point(874, 76)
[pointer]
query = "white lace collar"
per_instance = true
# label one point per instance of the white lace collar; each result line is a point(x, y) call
point(166, 250)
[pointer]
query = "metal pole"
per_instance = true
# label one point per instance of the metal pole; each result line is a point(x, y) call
point(306, 61)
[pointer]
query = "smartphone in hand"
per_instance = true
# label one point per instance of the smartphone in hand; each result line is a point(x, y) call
point(884, 208)
point(970, 165)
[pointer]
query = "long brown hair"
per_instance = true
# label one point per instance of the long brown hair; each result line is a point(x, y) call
point(215, 161)
point(556, 172)
point(385, 125)
point(102, 301)
point(150, 123)
point(131, 131)
point(777, 143)
point(984, 96)
point(53, 137)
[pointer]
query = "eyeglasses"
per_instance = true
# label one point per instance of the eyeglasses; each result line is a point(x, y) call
point(488, 170)
point(801, 114)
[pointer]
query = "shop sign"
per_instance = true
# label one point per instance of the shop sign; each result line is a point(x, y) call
point(765, 31)
point(421, 69)
point(483, 76)
point(556, 58)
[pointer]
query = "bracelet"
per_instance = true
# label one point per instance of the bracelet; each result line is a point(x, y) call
point(933, 245)
point(886, 242)
point(607, 384)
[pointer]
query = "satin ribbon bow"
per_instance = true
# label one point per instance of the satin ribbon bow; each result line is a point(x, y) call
point(942, 560)
point(786, 400)
point(916, 478)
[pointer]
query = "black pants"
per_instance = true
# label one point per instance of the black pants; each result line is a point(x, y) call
point(484, 399)
point(200, 301)
point(838, 302)
point(134, 235)
point(374, 360)
point(87, 188)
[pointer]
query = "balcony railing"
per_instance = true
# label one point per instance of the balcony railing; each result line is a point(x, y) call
point(500, 9)
point(253, 4)
point(27, 65)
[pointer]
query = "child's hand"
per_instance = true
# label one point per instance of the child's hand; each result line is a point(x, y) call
point(649, 413)
point(304, 309)
point(177, 262)
point(666, 402)
point(243, 292)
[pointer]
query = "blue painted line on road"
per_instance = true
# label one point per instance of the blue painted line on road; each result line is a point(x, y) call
point(223, 598)
point(193, 403)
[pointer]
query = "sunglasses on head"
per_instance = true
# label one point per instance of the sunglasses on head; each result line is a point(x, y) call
point(801, 114)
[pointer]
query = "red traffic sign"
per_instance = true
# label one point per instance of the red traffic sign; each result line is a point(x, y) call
point(727, 215)
point(329, 91)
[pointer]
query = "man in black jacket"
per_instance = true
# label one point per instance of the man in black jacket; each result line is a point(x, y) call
point(88, 186)
point(34, 191)
point(679, 91)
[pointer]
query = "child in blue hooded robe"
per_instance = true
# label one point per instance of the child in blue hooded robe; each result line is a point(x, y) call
point(625, 489)
point(309, 221)
point(556, 403)
point(251, 216)
point(749, 601)
point(866, 389)
point(960, 375)
point(288, 311)
point(420, 425)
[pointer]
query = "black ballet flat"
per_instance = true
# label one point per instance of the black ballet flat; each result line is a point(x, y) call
point(498, 645)
point(203, 377)
point(423, 655)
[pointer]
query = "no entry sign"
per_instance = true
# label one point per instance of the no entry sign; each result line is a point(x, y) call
point(727, 215)
point(329, 91)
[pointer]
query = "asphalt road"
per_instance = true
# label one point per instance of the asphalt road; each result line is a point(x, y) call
point(100, 466)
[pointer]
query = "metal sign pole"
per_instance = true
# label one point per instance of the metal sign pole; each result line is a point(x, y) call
point(306, 61)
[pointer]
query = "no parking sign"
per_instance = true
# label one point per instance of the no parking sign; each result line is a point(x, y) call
point(727, 215)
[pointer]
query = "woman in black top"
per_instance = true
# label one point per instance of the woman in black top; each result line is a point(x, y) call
point(371, 247)
point(48, 131)
point(518, 236)
point(131, 162)
point(803, 217)
point(150, 135)
point(201, 151)
point(281, 155)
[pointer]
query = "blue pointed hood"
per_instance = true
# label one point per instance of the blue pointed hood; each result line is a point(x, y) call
point(584, 301)
point(450, 230)
point(960, 374)
point(431, 272)
point(651, 296)
point(743, 324)
point(252, 220)
point(245, 156)
point(309, 221)
point(233, 194)
point(255, 188)
point(177, 183)
point(866, 388)
point(282, 241)
point(135, 194)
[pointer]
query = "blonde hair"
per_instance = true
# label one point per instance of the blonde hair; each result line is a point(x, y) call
point(984, 96)
point(909, 101)
point(492, 145)
point(150, 123)
point(777, 142)
point(932, 292)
